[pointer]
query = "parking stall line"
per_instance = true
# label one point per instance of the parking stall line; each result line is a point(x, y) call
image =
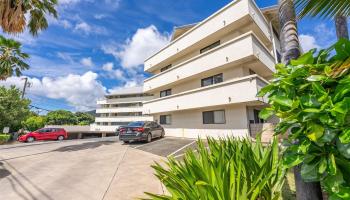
point(173, 153)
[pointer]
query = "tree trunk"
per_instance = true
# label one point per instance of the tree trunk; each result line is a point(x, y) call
point(291, 50)
point(341, 26)
point(288, 33)
point(306, 191)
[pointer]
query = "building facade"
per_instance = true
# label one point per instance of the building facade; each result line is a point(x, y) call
point(120, 108)
point(206, 79)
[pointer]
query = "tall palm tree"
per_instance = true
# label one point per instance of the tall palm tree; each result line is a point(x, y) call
point(11, 58)
point(291, 50)
point(337, 9)
point(13, 15)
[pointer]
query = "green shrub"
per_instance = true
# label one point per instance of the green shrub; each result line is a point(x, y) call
point(4, 138)
point(228, 169)
point(312, 97)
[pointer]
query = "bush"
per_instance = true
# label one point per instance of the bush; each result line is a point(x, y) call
point(228, 169)
point(312, 97)
point(4, 138)
point(34, 123)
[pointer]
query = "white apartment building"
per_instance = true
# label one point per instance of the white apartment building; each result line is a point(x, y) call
point(120, 108)
point(206, 79)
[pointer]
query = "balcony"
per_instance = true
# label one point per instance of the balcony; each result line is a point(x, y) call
point(119, 110)
point(123, 119)
point(241, 90)
point(243, 49)
point(232, 17)
point(124, 100)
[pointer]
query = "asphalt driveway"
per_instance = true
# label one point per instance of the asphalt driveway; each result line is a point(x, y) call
point(96, 169)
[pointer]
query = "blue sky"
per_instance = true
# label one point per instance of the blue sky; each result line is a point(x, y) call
point(97, 46)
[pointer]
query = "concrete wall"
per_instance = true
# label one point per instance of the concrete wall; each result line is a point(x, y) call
point(189, 124)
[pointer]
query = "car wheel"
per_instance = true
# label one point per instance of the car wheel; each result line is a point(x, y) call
point(60, 138)
point(30, 139)
point(162, 135)
point(126, 142)
point(149, 138)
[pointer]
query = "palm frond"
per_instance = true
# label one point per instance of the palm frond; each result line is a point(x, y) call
point(322, 8)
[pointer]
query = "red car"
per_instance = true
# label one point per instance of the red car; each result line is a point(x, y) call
point(44, 134)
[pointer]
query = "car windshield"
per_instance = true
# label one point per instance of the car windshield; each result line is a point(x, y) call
point(136, 123)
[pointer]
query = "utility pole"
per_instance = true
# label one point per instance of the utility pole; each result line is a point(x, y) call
point(26, 84)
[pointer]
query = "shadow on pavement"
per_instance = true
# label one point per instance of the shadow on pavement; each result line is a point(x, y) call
point(3, 171)
point(84, 146)
point(137, 143)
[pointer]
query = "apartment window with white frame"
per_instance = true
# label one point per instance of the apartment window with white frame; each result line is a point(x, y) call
point(165, 93)
point(214, 117)
point(218, 78)
point(211, 46)
point(165, 119)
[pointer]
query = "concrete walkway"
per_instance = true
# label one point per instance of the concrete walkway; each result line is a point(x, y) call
point(80, 169)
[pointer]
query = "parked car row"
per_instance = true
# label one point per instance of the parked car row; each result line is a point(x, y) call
point(134, 131)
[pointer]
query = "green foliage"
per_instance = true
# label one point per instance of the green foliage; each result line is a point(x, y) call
point(15, 15)
point(228, 169)
point(64, 117)
point(312, 97)
point(11, 58)
point(13, 109)
point(34, 123)
point(4, 138)
point(61, 117)
point(84, 118)
point(323, 8)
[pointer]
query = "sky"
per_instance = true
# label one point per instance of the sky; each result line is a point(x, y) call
point(96, 47)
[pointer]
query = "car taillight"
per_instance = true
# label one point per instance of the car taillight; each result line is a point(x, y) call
point(122, 130)
point(138, 129)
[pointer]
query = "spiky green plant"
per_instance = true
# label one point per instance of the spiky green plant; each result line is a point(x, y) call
point(227, 169)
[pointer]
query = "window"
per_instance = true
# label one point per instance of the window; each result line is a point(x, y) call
point(214, 117)
point(105, 123)
point(257, 119)
point(212, 80)
point(165, 93)
point(207, 48)
point(165, 68)
point(165, 119)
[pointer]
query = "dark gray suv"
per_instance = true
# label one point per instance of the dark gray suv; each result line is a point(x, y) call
point(141, 131)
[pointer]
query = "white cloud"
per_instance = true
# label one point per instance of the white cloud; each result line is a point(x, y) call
point(87, 29)
point(84, 27)
point(144, 43)
point(113, 3)
point(100, 16)
point(87, 62)
point(119, 74)
point(80, 91)
point(308, 42)
point(108, 66)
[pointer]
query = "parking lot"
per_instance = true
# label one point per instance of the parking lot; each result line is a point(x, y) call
point(100, 168)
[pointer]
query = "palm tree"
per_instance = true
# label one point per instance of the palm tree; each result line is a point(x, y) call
point(337, 9)
point(13, 15)
point(291, 50)
point(11, 58)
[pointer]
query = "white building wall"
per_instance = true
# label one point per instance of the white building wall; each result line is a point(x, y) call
point(189, 124)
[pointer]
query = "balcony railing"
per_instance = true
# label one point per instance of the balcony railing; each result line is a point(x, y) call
point(240, 90)
point(235, 13)
point(245, 47)
point(119, 110)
